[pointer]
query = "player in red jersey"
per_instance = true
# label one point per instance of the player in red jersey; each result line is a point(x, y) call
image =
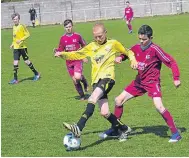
point(72, 41)
point(150, 58)
point(129, 16)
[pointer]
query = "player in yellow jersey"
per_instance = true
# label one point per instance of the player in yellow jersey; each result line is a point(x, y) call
point(20, 34)
point(102, 53)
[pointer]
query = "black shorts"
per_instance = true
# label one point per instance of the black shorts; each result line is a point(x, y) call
point(106, 84)
point(20, 52)
point(32, 17)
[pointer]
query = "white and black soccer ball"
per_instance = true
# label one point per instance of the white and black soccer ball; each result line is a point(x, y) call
point(71, 142)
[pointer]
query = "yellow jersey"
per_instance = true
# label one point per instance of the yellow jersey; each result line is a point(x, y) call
point(102, 58)
point(20, 32)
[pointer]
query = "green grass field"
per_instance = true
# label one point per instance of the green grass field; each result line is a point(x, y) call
point(32, 112)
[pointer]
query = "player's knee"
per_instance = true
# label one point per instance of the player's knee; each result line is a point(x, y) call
point(77, 77)
point(160, 109)
point(91, 99)
point(118, 101)
point(104, 113)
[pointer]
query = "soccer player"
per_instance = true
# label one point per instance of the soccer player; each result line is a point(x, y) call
point(33, 14)
point(72, 41)
point(129, 16)
point(150, 57)
point(102, 53)
point(20, 34)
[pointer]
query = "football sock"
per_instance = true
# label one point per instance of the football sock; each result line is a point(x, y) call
point(33, 69)
point(84, 81)
point(169, 120)
point(116, 124)
point(130, 26)
point(85, 116)
point(118, 111)
point(79, 88)
point(15, 72)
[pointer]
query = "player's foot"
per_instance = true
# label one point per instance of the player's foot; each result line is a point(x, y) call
point(82, 98)
point(73, 128)
point(37, 77)
point(127, 129)
point(130, 31)
point(111, 132)
point(175, 137)
point(14, 81)
point(123, 137)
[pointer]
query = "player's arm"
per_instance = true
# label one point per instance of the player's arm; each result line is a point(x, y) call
point(128, 53)
point(124, 14)
point(26, 33)
point(61, 46)
point(170, 62)
point(75, 55)
point(82, 41)
point(83, 44)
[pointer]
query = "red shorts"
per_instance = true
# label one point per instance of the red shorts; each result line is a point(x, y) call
point(135, 89)
point(74, 66)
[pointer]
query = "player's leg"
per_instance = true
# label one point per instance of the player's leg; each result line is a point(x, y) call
point(30, 64)
point(33, 21)
point(77, 128)
point(168, 119)
point(154, 91)
point(16, 56)
point(85, 83)
point(129, 26)
point(79, 68)
point(132, 90)
point(76, 80)
point(75, 71)
point(119, 101)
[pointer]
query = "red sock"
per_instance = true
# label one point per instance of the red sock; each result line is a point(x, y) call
point(118, 111)
point(130, 26)
point(169, 120)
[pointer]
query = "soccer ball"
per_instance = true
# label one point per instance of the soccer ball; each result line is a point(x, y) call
point(71, 142)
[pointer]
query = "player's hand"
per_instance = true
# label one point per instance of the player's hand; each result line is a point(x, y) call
point(57, 54)
point(134, 64)
point(177, 83)
point(85, 60)
point(18, 41)
point(118, 60)
point(11, 46)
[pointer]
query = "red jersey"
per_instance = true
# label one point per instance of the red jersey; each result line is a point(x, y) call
point(150, 61)
point(70, 43)
point(128, 13)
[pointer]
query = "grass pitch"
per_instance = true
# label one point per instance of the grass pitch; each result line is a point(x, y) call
point(32, 112)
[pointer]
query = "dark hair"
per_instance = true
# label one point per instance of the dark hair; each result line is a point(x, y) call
point(127, 2)
point(67, 21)
point(145, 30)
point(14, 15)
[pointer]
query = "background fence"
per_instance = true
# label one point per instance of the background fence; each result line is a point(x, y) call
point(52, 12)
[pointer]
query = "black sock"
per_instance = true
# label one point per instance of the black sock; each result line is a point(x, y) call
point(84, 81)
point(79, 88)
point(116, 123)
point(86, 115)
point(33, 69)
point(15, 72)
